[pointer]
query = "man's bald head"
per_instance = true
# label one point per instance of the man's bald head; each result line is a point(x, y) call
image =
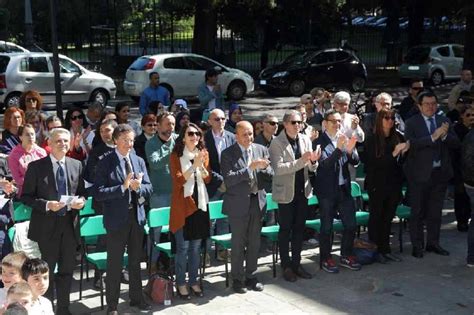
point(244, 133)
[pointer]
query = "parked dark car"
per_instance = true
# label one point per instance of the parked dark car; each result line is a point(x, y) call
point(304, 70)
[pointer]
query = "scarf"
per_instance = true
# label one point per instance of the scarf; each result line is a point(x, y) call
point(196, 177)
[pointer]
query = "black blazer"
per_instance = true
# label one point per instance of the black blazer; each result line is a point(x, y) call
point(40, 187)
point(217, 178)
point(419, 162)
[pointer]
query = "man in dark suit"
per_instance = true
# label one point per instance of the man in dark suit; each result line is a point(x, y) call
point(332, 185)
point(54, 224)
point(122, 184)
point(428, 169)
point(244, 203)
point(217, 140)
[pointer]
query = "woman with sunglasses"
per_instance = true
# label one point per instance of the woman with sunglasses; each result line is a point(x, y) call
point(122, 110)
point(384, 150)
point(189, 216)
point(76, 123)
point(31, 101)
point(13, 119)
point(24, 153)
point(149, 130)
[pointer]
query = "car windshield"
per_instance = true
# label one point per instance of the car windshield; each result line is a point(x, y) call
point(418, 54)
point(4, 63)
point(139, 64)
point(299, 57)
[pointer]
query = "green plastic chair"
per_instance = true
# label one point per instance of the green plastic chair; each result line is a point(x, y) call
point(403, 214)
point(21, 212)
point(271, 232)
point(360, 171)
point(11, 233)
point(160, 217)
point(224, 240)
point(93, 226)
point(87, 210)
point(362, 217)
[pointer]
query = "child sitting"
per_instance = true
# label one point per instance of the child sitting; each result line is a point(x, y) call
point(36, 273)
point(11, 272)
point(20, 293)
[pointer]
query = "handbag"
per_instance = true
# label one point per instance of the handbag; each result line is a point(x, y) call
point(160, 289)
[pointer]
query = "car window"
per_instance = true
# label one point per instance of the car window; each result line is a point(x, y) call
point(197, 63)
point(34, 64)
point(139, 64)
point(4, 63)
point(458, 51)
point(14, 48)
point(324, 57)
point(174, 63)
point(342, 55)
point(68, 67)
point(443, 51)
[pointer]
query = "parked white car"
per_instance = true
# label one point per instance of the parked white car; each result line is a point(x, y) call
point(20, 72)
point(182, 74)
point(9, 47)
point(433, 62)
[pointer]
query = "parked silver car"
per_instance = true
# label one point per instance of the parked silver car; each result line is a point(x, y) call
point(182, 74)
point(433, 62)
point(9, 47)
point(20, 72)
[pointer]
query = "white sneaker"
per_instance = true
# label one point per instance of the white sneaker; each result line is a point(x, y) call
point(470, 265)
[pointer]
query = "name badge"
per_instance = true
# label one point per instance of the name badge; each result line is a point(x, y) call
point(141, 200)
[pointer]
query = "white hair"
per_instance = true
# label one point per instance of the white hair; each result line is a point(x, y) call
point(384, 95)
point(216, 111)
point(58, 131)
point(342, 97)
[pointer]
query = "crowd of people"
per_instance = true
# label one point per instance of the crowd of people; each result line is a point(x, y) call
point(184, 159)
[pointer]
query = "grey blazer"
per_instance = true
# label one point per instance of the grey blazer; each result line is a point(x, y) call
point(285, 166)
point(237, 180)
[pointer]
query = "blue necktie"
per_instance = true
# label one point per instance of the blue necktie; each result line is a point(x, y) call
point(134, 198)
point(437, 153)
point(62, 186)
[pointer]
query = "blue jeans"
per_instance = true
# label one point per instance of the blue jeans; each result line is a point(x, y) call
point(470, 234)
point(157, 201)
point(187, 254)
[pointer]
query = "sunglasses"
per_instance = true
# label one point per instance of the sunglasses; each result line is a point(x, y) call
point(151, 125)
point(193, 133)
point(294, 122)
point(389, 118)
point(272, 123)
point(219, 118)
point(77, 117)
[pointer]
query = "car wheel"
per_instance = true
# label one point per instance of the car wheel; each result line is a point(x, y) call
point(297, 87)
point(236, 90)
point(358, 84)
point(100, 96)
point(437, 77)
point(170, 90)
point(12, 100)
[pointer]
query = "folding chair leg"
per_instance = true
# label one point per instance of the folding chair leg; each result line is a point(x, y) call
point(274, 258)
point(400, 236)
point(101, 293)
point(226, 274)
point(358, 231)
point(82, 277)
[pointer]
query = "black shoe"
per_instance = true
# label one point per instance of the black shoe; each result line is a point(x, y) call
point(238, 287)
point(199, 293)
point(381, 259)
point(185, 297)
point(392, 257)
point(417, 252)
point(437, 250)
point(463, 227)
point(253, 284)
point(289, 275)
point(112, 311)
point(141, 305)
point(300, 272)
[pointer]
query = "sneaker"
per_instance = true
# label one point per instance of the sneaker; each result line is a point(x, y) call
point(329, 265)
point(350, 262)
point(470, 265)
point(312, 242)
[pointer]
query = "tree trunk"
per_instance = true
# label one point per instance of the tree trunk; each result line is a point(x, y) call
point(415, 24)
point(469, 41)
point(205, 28)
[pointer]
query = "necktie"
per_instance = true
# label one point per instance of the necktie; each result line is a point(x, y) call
point(437, 153)
point(62, 186)
point(253, 179)
point(140, 213)
point(128, 168)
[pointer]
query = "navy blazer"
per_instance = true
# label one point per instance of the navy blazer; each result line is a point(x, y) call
point(419, 162)
point(237, 179)
point(217, 178)
point(326, 182)
point(108, 190)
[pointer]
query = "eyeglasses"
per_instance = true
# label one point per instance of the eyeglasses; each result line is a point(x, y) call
point(294, 122)
point(334, 120)
point(193, 133)
point(151, 125)
point(219, 119)
point(272, 123)
point(389, 118)
point(77, 117)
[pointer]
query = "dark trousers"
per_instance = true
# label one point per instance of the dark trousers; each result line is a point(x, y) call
point(462, 205)
point(131, 237)
point(246, 241)
point(329, 207)
point(426, 201)
point(60, 250)
point(470, 234)
point(382, 206)
point(292, 219)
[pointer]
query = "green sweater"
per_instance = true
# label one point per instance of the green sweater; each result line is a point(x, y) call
point(158, 155)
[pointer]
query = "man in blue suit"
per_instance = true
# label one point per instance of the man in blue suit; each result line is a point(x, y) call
point(428, 169)
point(332, 185)
point(122, 184)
